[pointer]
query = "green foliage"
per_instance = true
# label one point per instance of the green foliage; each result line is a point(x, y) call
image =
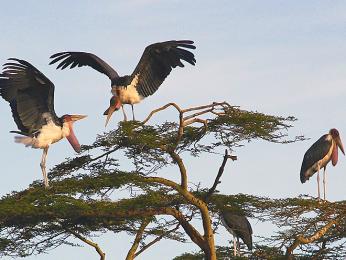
point(84, 194)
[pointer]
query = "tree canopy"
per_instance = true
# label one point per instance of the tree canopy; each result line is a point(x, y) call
point(82, 202)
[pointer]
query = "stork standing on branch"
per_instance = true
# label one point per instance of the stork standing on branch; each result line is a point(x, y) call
point(31, 98)
point(238, 225)
point(319, 155)
point(155, 65)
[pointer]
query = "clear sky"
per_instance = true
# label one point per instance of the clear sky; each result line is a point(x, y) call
point(278, 57)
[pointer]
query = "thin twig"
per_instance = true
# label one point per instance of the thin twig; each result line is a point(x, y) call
point(102, 155)
point(223, 104)
point(199, 113)
point(89, 242)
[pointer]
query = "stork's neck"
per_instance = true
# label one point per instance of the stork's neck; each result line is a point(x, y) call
point(65, 129)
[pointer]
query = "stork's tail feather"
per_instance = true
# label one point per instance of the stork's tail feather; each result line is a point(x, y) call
point(26, 140)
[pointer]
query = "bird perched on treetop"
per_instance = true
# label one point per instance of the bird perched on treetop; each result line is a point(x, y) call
point(155, 65)
point(239, 226)
point(31, 98)
point(319, 155)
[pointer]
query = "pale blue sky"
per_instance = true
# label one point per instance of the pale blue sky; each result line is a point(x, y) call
point(277, 57)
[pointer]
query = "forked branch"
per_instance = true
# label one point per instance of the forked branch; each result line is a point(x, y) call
point(131, 254)
point(185, 119)
point(157, 239)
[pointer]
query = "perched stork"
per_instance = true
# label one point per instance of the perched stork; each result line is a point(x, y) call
point(319, 155)
point(239, 226)
point(31, 98)
point(156, 63)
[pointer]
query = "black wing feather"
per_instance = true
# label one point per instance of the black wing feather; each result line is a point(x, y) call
point(315, 153)
point(157, 62)
point(83, 59)
point(240, 226)
point(29, 93)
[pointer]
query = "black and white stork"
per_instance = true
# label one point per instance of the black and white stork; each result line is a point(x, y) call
point(319, 155)
point(156, 63)
point(31, 98)
point(239, 226)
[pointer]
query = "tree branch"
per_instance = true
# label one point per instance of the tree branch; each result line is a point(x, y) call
point(89, 242)
point(160, 109)
point(306, 240)
point(131, 254)
point(196, 120)
point(183, 174)
point(219, 174)
point(157, 239)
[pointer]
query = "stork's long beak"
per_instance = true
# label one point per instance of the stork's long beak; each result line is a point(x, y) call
point(339, 143)
point(109, 113)
point(115, 105)
point(75, 118)
point(72, 137)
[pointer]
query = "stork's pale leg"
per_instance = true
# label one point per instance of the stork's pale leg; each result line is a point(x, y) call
point(125, 117)
point(324, 183)
point(318, 183)
point(238, 247)
point(234, 246)
point(133, 113)
point(43, 167)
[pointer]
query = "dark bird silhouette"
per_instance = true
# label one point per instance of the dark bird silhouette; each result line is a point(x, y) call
point(155, 65)
point(31, 98)
point(319, 155)
point(239, 226)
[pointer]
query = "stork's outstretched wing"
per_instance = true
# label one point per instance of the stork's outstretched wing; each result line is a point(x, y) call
point(83, 59)
point(30, 94)
point(157, 62)
point(315, 153)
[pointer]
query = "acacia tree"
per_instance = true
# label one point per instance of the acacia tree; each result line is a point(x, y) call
point(82, 203)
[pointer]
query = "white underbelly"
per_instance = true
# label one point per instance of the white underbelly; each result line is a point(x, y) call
point(49, 134)
point(129, 95)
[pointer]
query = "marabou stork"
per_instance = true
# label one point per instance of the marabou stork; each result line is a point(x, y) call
point(319, 155)
point(239, 226)
point(31, 98)
point(156, 63)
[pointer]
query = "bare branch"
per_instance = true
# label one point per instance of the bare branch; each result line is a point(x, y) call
point(222, 104)
point(195, 120)
point(219, 174)
point(198, 113)
point(160, 109)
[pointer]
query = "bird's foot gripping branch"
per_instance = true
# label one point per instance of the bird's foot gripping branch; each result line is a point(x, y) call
point(84, 199)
